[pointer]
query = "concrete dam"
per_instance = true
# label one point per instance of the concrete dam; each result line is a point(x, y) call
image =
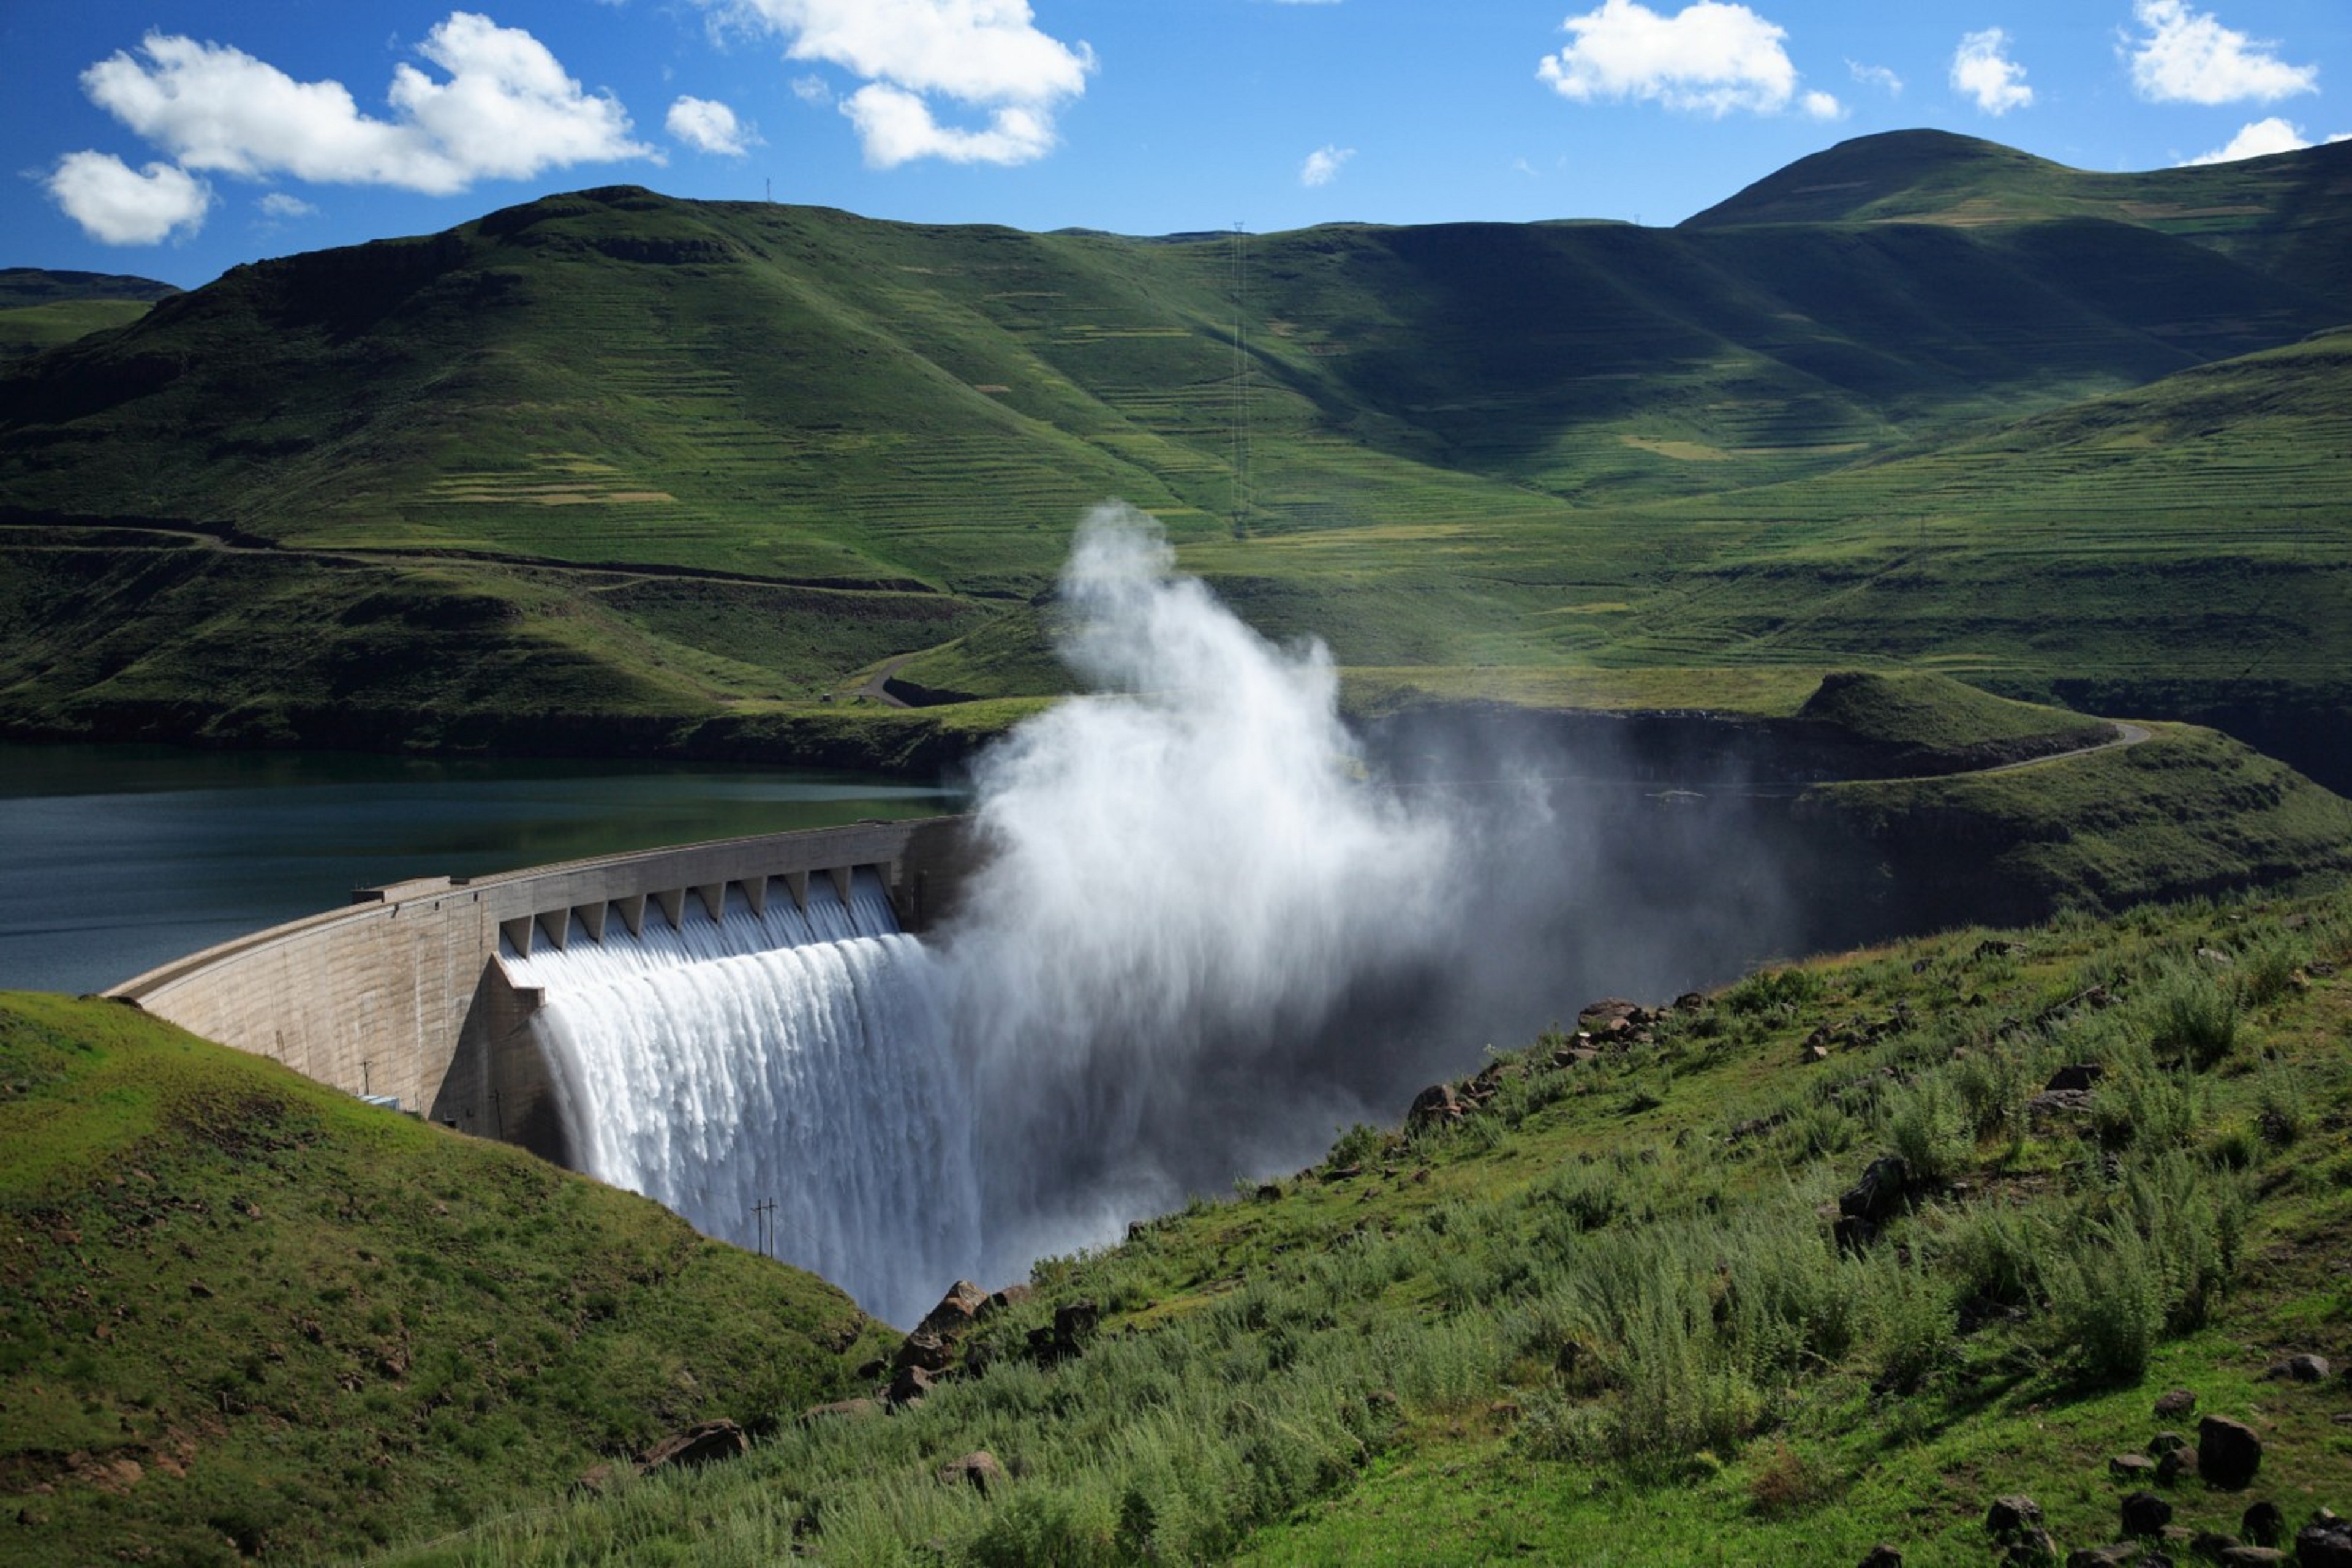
point(420, 993)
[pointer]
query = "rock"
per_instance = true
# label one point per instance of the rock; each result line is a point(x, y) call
point(2228, 1452)
point(927, 1350)
point(2032, 1548)
point(1882, 1556)
point(2209, 1544)
point(2144, 1514)
point(597, 1478)
point(1075, 1322)
point(2131, 1466)
point(1691, 1002)
point(2056, 1105)
point(1593, 1015)
point(2166, 1442)
point(1851, 1233)
point(2300, 1369)
point(2324, 1545)
point(2253, 1557)
point(2013, 1513)
point(2264, 1523)
point(842, 1410)
point(2081, 1077)
point(2121, 1553)
point(1813, 1056)
point(910, 1387)
point(1879, 1195)
point(2178, 1402)
point(2175, 1464)
point(956, 1310)
point(698, 1445)
point(1011, 1295)
point(1436, 1105)
point(977, 1469)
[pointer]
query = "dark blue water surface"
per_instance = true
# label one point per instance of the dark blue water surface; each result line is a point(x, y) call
point(114, 859)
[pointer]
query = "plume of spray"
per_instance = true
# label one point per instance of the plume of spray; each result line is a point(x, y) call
point(1182, 873)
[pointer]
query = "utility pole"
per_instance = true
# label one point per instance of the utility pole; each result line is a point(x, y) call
point(764, 1212)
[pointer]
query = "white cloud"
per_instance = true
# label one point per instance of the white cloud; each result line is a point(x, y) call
point(897, 127)
point(2188, 57)
point(1708, 58)
point(281, 206)
point(1322, 165)
point(1880, 77)
point(2259, 140)
point(812, 89)
point(117, 205)
point(1822, 105)
point(708, 126)
point(506, 111)
point(1983, 72)
point(987, 56)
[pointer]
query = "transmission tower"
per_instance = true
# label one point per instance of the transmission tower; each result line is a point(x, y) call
point(1240, 413)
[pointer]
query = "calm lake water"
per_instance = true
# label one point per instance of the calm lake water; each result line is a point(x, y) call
point(116, 859)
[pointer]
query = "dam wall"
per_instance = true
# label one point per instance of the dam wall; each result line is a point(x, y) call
point(403, 993)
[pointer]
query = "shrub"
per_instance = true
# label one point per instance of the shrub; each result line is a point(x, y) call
point(2106, 1302)
point(1359, 1145)
point(1992, 1252)
point(2282, 1100)
point(1770, 990)
point(2140, 1106)
point(2188, 1010)
point(1785, 1480)
point(1926, 1125)
point(2267, 966)
point(1912, 1320)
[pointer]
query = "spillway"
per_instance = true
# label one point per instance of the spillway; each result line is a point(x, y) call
point(798, 1056)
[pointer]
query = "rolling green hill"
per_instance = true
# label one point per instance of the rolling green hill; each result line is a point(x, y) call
point(1917, 401)
point(241, 1313)
point(40, 309)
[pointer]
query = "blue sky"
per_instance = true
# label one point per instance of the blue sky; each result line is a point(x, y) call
point(175, 138)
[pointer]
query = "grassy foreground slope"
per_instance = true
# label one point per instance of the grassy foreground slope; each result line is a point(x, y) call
point(241, 1313)
point(1602, 1306)
point(695, 459)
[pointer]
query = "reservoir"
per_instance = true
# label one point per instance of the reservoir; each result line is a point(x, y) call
point(114, 859)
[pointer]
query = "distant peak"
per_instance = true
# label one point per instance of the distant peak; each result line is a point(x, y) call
point(1931, 168)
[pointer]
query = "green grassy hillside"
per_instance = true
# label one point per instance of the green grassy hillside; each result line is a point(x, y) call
point(40, 309)
point(242, 1313)
point(2278, 212)
point(1609, 1306)
point(688, 459)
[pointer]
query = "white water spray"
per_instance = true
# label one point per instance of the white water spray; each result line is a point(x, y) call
point(1182, 877)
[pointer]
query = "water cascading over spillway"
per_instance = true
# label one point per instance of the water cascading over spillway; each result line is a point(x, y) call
point(799, 1058)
